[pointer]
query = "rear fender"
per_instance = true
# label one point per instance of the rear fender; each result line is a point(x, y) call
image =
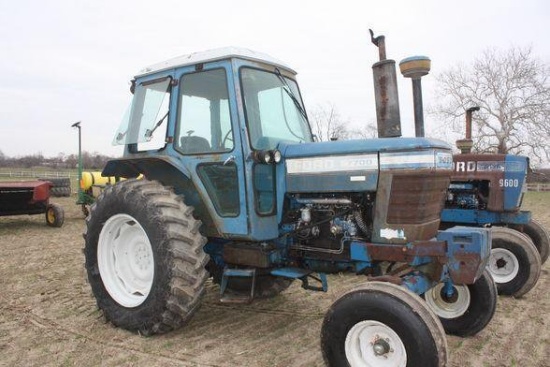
point(168, 172)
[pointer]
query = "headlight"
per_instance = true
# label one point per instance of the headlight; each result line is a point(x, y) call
point(277, 156)
point(267, 156)
point(262, 156)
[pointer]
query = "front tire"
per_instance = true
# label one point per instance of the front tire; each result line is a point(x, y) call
point(514, 263)
point(468, 310)
point(382, 324)
point(144, 257)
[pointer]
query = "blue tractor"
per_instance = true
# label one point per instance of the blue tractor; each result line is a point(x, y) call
point(486, 190)
point(236, 188)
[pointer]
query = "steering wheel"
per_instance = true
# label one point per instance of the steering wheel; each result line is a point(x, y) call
point(227, 137)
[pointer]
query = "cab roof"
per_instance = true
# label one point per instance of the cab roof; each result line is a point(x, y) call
point(214, 55)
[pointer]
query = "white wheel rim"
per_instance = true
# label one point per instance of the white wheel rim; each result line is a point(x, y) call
point(371, 343)
point(125, 259)
point(448, 308)
point(503, 265)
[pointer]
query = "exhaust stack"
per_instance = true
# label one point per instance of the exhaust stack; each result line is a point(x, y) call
point(465, 145)
point(385, 92)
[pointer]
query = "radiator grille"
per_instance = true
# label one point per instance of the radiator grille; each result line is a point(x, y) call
point(416, 199)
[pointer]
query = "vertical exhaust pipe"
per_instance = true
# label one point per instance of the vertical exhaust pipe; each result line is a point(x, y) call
point(416, 67)
point(385, 92)
point(469, 112)
point(465, 145)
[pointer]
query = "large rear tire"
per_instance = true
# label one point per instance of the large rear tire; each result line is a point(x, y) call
point(145, 257)
point(468, 310)
point(382, 324)
point(540, 238)
point(514, 263)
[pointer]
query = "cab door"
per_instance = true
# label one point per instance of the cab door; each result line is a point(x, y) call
point(207, 140)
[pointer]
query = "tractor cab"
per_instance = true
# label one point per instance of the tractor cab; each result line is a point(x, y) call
point(203, 122)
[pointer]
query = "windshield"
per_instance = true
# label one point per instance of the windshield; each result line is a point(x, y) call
point(274, 110)
point(145, 121)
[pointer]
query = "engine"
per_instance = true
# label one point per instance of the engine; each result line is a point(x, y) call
point(324, 224)
point(467, 195)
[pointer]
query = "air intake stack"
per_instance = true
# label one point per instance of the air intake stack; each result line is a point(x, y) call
point(416, 67)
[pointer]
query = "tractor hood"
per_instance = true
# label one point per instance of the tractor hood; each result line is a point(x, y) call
point(342, 147)
point(354, 165)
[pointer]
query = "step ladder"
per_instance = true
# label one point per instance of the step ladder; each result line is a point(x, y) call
point(305, 276)
point(229, 297)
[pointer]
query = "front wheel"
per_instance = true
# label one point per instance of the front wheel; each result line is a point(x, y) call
point(382, 324)
point(468, 309)
point(144, 257)
point(514, 263)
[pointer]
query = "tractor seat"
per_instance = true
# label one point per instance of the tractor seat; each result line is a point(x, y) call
point(194, 144)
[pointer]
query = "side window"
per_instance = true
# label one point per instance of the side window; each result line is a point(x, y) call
point(204, 122)
point(222, 186)
point(144, 124)
point(264, 188)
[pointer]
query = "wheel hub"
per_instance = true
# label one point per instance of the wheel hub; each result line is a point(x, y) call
point(503, 265)
point(449, 298)
point(142, 259)
point(372, 343)
point(381, 346)
point(448, 306)
point(51, 215)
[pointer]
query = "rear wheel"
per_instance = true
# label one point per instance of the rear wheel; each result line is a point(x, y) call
point(144, 257)
point(540, 238)
point(514, 262)
point(55, 215)
point(382, 324)
point(468, 310)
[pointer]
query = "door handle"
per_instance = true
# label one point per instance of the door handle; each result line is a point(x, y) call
point(230, 159)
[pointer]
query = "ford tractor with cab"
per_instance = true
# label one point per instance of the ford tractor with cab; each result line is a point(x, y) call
point(236, 188)
point(486, 190)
